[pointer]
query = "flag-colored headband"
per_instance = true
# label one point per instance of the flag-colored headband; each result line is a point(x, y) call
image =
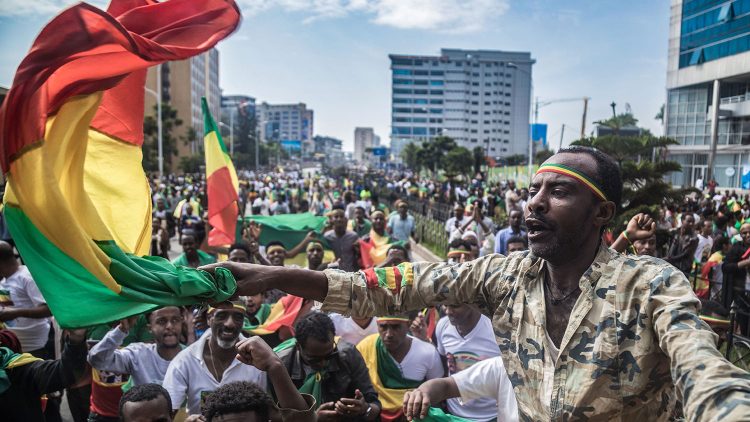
point(234, 305)
point(395, 318)
point(313, 244)
point(575, 174)
point(274, 248)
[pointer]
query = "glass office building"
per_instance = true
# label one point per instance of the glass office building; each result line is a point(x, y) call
point(709, 41)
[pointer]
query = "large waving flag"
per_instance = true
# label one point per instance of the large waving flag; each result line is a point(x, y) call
point(223, 186)
point(77, 201)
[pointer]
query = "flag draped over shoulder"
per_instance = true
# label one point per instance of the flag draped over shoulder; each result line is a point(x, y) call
point(223, 185)
point(71, 128)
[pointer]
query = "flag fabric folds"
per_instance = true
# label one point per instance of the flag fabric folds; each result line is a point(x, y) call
point(289, 229)
point(222, 183)
point(77, 201)
point(283, 314)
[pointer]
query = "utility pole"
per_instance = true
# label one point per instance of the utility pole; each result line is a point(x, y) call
point(714, 131)
point(231, 132)
point(562, 133)
point(583, 121)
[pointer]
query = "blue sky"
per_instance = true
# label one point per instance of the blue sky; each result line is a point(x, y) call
point(333, 54)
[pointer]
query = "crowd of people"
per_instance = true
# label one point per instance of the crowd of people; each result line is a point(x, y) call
point(302, 341)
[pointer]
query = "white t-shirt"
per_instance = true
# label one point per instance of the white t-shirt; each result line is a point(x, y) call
point(703, 243)
point(462, 353)
point(140, 360)
point(350, 331)
point(31, 332)
point(488, 378)
point(421, 363)
point(188, 376)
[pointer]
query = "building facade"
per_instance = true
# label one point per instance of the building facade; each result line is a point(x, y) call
point(328, 150)
point(291, 125)
point(238, 120)
point(480, 98)
point(183, 84)
point(364, 138)
point(709, 46)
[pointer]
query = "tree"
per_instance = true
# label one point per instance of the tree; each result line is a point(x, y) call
point(479, 159)
point(457, 161)
point(515, 160)
point(170, 122)
point(618, 122)
point(660, 115)
point(192, 163)
point(410, 156)
point(431, 153)
point(542, 155)
point(644, 185)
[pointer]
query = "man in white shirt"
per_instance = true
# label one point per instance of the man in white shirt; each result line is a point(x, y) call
point(145, 362)
point(458, 220)
point(29, 316)
point(705, 241)
point(211, 361)
point(487, 378)
point(464, 338)
point(353, 330)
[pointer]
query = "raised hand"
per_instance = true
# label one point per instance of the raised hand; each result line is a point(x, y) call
point(640, 227)
point(127, 323)
point(256, 352)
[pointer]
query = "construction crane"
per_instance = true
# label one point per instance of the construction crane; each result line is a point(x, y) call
point(539, 104)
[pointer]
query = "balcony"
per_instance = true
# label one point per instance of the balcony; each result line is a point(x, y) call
point(737, 106)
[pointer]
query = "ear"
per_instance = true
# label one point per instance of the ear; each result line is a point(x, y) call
point(605, 213)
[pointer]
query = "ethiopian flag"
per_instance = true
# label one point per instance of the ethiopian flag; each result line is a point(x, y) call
point(283, 314)
point(77, 201)
point(223, 186)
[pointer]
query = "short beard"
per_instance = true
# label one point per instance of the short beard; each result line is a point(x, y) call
point(224, 344)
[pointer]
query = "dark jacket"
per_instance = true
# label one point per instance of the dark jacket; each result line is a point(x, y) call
point(735, 274)
point(22, 401)
point(346, 373)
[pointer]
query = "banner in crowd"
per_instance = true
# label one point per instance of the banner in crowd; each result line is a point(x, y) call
point(71, 129)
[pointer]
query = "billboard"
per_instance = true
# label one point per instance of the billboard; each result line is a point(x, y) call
point(539, 133)
point(291, 145)
point(380, 152)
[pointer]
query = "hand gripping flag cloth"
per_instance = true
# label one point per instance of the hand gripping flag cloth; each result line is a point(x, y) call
point(77, 200)
point(223, 185)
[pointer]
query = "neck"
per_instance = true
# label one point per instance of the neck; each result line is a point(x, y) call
point(471, 322)
point(400, 353)
point(339, 231)
point(167, 352)
point(362, 322)
point(565, 275)
point(516, 229)
point(219, 354)
point(380, 231)
point(313, 265)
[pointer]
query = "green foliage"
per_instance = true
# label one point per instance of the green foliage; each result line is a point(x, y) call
point(618, 122)
point(430, 154)
point(479, 159)
point(515, 160)
point(542, 155)
point(458, 160)
point(170, 121)
point(410, 156)
point(192, 163)
point(644, 185)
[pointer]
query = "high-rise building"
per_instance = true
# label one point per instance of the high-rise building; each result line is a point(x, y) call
point(238, 119)
point(289, 124)
point(480, 98)
point(364, 137)
point(328, 150)
point(709, 58)
point(184, 82)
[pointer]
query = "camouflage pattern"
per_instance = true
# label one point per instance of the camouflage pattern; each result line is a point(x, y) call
point(633, 346)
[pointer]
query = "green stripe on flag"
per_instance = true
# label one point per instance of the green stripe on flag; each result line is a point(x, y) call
point(78, 299)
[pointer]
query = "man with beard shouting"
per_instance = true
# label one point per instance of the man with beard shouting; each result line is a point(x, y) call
point(211, 361)
point(584, 332)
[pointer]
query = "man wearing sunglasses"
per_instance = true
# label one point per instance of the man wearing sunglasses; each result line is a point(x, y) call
point(332, 372)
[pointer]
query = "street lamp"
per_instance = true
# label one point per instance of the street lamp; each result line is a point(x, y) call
point(157, 95)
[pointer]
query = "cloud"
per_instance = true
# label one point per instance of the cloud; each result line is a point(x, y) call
point(439, 15)
point(40, 7)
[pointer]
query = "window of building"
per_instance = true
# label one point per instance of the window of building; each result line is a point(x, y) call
point(402, 62)
point(401, 91)
point(436, 83)
point(401, 72)
point(419, 131)
point(437, 73)
point(397, 130)
point(403, 82)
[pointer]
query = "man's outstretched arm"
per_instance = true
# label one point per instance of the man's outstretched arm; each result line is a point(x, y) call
point(381, 291)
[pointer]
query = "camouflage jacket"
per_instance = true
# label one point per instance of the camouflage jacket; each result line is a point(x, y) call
point(633, 345)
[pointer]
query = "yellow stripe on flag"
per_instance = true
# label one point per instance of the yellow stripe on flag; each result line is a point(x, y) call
point(390, 277)
point(62, 210)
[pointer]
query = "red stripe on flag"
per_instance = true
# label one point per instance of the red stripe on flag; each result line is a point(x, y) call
point(222, 208)
point(397, 279)
point(371, 278)
point(364, 252)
